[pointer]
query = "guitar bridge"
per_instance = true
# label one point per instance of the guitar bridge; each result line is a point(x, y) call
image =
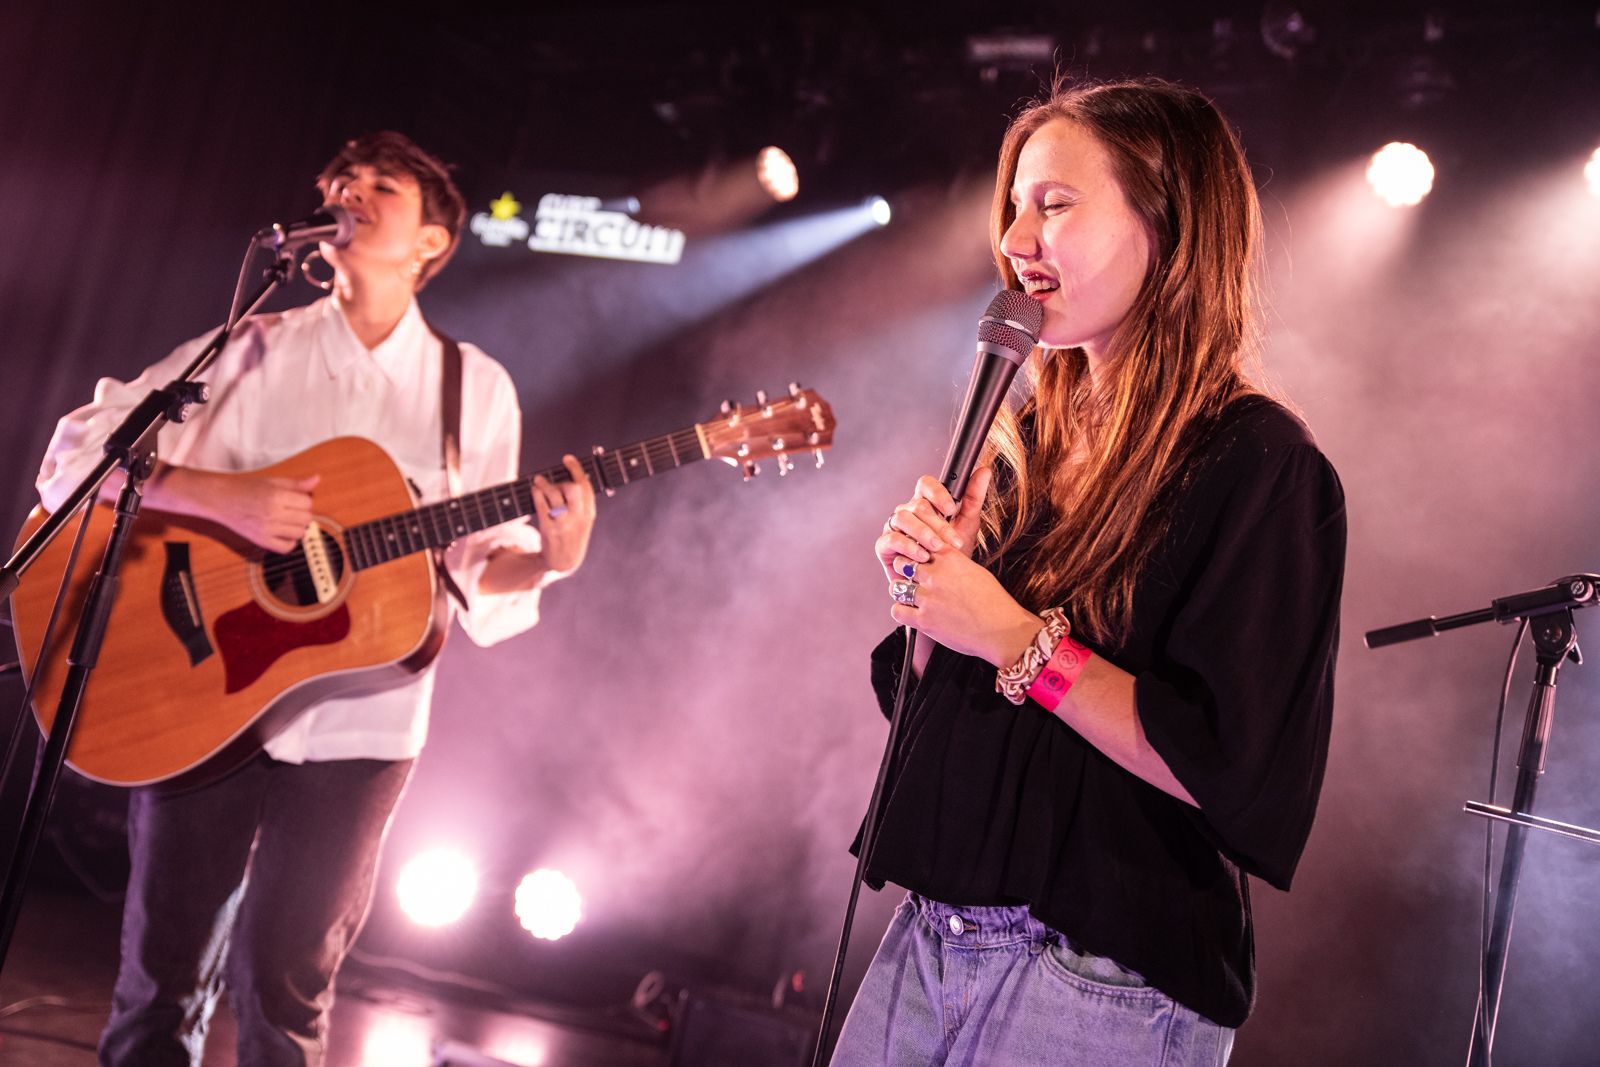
point(180, 604)
point(323, 579)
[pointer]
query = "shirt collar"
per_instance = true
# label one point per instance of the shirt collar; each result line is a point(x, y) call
point(342, 349)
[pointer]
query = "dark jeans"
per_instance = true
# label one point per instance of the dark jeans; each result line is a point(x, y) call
point(261, 880)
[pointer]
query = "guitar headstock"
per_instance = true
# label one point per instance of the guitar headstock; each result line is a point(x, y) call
point(770, 428)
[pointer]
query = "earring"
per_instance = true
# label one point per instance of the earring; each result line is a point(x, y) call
point(305, 271)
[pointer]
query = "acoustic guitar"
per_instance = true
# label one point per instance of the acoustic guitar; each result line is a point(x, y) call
point(215, 645)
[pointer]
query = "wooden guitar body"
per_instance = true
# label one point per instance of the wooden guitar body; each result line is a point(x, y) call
point(214, 645)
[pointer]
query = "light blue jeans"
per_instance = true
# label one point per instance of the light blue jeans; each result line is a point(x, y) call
point(975, 987)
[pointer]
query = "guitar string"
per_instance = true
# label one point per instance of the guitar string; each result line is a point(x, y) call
point(664, 453)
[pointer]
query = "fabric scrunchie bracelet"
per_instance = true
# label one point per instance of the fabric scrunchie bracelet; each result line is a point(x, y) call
point(1012, 682)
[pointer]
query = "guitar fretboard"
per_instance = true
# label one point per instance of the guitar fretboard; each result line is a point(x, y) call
point(437, 525)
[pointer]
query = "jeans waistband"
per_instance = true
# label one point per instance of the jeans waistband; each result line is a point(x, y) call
point(982, 927)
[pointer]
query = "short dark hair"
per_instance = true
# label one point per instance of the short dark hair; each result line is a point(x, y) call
point(387, 150)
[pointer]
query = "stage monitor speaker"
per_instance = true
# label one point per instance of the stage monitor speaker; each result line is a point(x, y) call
point(730, 1031)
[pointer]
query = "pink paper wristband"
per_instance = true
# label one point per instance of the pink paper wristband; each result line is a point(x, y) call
point(1066, 663)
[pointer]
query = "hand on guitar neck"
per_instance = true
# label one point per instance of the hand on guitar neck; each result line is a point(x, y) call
point(565, 515)
point(270, 512)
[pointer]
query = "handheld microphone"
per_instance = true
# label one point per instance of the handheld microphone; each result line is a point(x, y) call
point(330, 223)
point(1006, 334)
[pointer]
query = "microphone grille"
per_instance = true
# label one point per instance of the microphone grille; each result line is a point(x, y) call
point(344, 222)
point(1013, 321)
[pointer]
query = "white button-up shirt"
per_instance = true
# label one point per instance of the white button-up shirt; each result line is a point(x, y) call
point(291, 380)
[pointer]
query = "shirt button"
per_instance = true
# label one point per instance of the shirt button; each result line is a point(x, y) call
point(957, 927)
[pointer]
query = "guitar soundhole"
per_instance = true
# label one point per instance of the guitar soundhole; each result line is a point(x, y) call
point(289, 576)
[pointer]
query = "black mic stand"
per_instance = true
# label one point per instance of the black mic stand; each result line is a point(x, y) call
point(869, 840)
point(1554, 639)
point(132, 447)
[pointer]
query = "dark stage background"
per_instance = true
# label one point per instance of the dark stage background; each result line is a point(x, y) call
point(689, 733)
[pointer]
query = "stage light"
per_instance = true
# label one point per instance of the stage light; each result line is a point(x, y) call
point(1592, 173)
point(1400, 173)
point(397, 1041)
point(1285, 30)
point(437, 887)
point(548, 904)
point(777, 173)
point(1010, 51)
point(878, 208)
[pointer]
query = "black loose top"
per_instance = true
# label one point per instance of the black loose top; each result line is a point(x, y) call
point(1235, 628)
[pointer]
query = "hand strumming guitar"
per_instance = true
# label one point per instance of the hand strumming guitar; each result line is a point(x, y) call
point(270, 512)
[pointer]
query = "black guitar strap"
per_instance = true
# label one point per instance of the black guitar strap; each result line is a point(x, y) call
point(450, 425)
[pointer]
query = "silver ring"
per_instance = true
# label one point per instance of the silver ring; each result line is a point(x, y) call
point(904, 591)
point(558, 511)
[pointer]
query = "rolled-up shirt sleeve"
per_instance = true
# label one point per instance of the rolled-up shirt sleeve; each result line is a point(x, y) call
point(80, 436)
point(1240, 703)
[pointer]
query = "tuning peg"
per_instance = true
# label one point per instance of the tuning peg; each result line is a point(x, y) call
point(751, 469)
point(727, 407)
point(814, 438)
point(785, 464)
point(743, 449)
point(794, 390)
point(818, 454)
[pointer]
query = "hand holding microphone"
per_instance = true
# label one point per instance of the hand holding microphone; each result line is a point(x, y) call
point(926, 543)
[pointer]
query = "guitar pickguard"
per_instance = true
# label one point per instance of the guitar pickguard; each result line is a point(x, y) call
point(252, 640)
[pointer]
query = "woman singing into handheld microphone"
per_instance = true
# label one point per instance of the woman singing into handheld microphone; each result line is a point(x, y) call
point(1125, 683)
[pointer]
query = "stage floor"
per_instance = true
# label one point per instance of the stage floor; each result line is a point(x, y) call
point(55, 992)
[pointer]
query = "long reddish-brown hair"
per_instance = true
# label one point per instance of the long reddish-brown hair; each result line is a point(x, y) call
point(1085, 467)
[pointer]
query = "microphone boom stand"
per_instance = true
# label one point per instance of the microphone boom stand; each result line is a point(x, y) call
point(132, 447)
point(1555, 639)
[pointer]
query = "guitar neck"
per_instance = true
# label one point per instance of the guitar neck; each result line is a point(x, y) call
point(437, 525)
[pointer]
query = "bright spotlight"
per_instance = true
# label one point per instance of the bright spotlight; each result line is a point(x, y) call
point(397, 1041)
point(1592, 173)
point(777, 173)
point(878, 208)
point(436, 887)
point(548, 904)
point(1400, 173)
